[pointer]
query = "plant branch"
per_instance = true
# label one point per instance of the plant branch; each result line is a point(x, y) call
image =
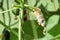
point(17, 7)
point(21, 17)
point(9, 10)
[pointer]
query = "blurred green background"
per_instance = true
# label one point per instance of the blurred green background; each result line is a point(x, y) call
point(50, 10)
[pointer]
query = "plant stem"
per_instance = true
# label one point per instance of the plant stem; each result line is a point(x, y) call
point(21, 17)
point(22, 3)
point(17, 7)
point(9, 10)
point(28, 6)
point(19, 35)
point(8, 28)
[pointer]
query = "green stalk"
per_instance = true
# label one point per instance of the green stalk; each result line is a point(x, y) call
point(20, 23)
point(21, 17)
point(9, 10)
point(17, 7)
point(19, 35)
point(21, 3)
point(28, 6)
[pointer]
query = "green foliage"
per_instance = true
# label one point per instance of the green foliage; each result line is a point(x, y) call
point(7, 19)
point(12, 16)
point(31, 2)
point(12, 36)
point(53, 19)
point(51, 5)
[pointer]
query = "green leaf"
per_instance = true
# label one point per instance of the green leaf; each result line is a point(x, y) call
point(1, 26)
point(39, 3)
point(8, 16)
point(55, 30)
point(44, 2)
point(12, 36)
point(47, 37)
point(32, 16)
point(52, 6)
point(28, 30)
point(31, 2)
point(53, 20)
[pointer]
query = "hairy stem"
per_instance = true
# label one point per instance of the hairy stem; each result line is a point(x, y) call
point(21, 17)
